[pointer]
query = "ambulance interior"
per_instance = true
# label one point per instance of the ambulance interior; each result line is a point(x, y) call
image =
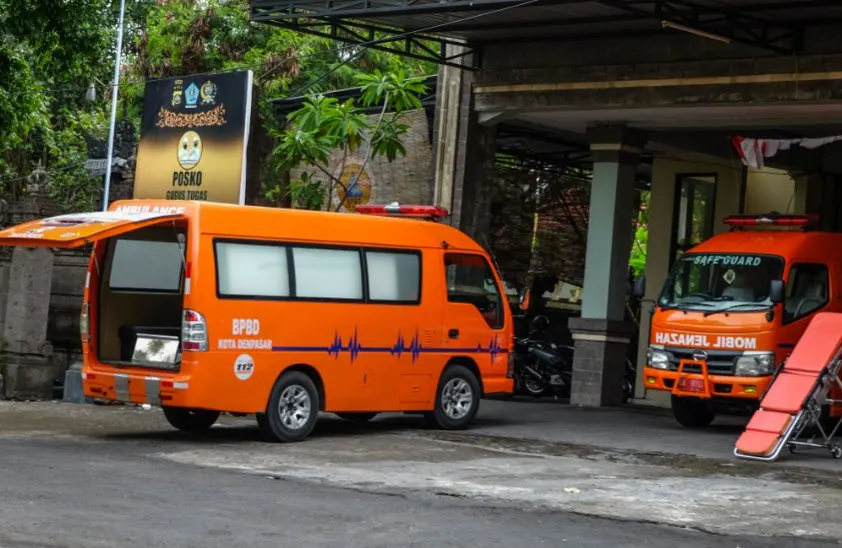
point(141, 294)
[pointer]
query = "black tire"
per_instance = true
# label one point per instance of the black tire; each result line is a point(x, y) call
point(282, 427)
point(190, 420)
point(692, 412)
point(536, 391)
point(356, 417)
point(469, 386)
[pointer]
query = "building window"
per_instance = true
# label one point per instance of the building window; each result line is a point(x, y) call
point(322, 273)
point(252, 270)
point(146, 265)
point(393, 277)
point(693, 213)
point(470, 280)
point(806, 291)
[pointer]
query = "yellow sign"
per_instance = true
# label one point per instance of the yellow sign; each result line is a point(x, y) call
point(193, 138)
point(356, 185)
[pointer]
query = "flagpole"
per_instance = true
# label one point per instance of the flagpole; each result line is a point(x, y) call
point(114, 92)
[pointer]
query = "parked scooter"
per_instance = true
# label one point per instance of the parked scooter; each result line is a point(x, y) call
point(541, 368)
point(544, 369)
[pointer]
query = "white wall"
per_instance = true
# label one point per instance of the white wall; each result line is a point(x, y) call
point(771, 190)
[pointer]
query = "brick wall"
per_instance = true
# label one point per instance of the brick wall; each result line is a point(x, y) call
point(409, 179)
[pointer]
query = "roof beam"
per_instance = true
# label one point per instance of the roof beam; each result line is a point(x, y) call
point(729, 22)
point(365, 35)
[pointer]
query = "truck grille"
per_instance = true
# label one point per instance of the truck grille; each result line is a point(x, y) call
point(720, 362)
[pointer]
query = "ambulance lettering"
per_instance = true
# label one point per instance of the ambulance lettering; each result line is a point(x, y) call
point(166, 210)
point(240, 329)
point(691, 340)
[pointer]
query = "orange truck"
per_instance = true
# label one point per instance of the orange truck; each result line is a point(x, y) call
point(732, 310)
point(203, 308)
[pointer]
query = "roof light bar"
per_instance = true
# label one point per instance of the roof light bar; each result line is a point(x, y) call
point(395, 209)
point(772, 219)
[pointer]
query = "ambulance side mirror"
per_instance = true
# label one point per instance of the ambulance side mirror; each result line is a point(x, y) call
point(523, 299)
point(776, 291)
point(639, 289)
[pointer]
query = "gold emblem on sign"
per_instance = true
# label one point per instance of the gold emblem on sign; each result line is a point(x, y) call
point(211, 118)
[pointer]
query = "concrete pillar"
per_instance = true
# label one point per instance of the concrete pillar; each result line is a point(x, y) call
point(446, 131)
point(26, 369)
point(464, 152)
point(601, 336)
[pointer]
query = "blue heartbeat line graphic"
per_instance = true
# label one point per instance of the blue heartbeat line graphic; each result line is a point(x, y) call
point(415, 348)
point(354, 348)
point(336, 348)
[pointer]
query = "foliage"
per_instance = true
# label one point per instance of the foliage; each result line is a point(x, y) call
point(323, 126)
point(641, 237)
point(51, 51)
point(71, 184)
point(189, 36)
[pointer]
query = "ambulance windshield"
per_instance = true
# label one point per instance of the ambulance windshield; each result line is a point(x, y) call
point(710, 282)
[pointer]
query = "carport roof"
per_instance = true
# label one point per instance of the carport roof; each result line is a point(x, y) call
point(403, 26)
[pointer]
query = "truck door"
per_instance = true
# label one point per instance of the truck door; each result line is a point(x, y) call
point(807, 292)
point(474, 315)
point(79, 229)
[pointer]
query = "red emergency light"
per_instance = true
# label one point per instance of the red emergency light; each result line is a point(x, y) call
point(773, 219)
point(395, 209)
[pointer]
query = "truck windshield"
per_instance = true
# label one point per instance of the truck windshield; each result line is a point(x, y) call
point(710, 282)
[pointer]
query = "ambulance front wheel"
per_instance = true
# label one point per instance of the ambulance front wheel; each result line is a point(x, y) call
point(457, 399)
point(190, 420)
point(692, 412)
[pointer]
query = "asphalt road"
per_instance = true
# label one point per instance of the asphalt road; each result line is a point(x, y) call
point(66, 491)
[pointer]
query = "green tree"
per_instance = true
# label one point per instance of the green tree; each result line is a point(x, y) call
point(188, 36)
point(324, 125)
point(50, 51)
point(641, 237)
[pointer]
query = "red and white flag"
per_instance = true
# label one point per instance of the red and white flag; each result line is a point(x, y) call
point(753, 151)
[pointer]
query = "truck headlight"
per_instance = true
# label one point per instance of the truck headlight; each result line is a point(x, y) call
point(658, 359)
point(755, 365)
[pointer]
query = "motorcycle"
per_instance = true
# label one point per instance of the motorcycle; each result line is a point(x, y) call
point(545, 369)
point(541, 368)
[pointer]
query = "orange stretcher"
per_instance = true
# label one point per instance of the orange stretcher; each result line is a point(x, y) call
point(796, 396)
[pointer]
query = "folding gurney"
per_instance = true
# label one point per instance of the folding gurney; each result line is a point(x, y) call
point(797, 394)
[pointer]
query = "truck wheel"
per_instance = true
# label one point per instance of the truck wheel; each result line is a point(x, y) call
point(356, 417)
point(190, 420)
point(692, 412)
point(293, 407)
point(457, 399)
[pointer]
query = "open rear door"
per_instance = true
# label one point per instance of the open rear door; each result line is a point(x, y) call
point(79, 229)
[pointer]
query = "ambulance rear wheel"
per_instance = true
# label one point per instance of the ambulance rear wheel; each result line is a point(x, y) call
point(692, 412)
point(293, 407)
point(190, 420)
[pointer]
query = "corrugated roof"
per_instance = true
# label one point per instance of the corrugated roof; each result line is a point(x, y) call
point(498, 20)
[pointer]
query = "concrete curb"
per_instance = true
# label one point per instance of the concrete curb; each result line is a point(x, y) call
point(73, 392)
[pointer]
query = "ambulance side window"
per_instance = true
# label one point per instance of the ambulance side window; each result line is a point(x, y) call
point(807, 290)
point(470, 280)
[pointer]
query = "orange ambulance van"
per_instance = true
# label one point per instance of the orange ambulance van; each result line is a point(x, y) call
point(733, 308)
point(203, 308)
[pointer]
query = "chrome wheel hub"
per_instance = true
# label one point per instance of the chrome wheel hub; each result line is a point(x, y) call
point(457, 399)
point(294, 407)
